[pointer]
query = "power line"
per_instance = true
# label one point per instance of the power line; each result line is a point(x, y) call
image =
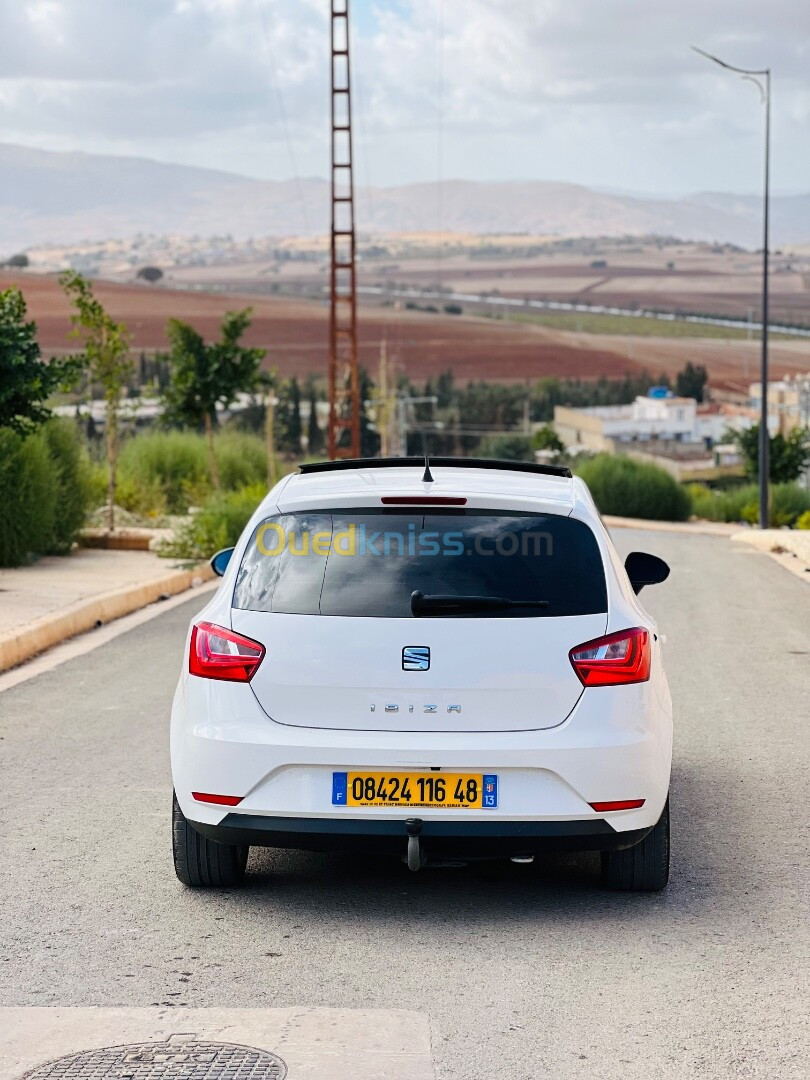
point(283, 114)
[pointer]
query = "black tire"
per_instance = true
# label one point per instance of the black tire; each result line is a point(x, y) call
point(643, 867)
point(202, 863)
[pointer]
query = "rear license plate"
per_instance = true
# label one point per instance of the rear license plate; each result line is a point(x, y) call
point(451, 791)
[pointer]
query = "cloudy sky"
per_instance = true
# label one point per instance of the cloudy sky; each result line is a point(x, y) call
point(600, 92)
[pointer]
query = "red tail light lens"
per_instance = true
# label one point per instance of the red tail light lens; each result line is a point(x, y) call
point(621, 804)
point(217, 653)
point(422, 500)
point(613, 660)
point(217, 800)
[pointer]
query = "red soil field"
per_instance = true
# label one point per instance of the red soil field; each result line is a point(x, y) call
point(295, 333)
point(420, 344)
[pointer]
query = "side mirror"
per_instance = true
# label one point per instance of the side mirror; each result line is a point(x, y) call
point(219, 562)
point(644, 569)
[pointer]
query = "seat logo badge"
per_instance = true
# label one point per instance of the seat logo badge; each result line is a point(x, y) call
point(415, 658)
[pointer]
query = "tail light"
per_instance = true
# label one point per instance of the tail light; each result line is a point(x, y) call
point(217, 653)
point(613, 660)
point(620, 804)
point(219, 800)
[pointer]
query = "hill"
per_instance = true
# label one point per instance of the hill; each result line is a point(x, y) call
point(48, 197)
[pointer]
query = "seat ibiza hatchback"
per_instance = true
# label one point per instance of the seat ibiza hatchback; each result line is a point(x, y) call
point(444, 661)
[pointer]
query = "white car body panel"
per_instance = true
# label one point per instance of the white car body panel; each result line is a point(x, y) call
point(556, 746)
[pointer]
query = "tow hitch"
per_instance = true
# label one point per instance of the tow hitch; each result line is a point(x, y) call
point(415, 857)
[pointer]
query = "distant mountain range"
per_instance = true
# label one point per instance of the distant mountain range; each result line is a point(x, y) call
point(65, 198)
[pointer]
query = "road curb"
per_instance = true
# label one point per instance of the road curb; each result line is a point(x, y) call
point(24, 644)
point(783, 546)
point(693, 528)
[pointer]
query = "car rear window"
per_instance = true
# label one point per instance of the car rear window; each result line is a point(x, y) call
point(366, 563)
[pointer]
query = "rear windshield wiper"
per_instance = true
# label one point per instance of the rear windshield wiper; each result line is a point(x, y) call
point(447, 604)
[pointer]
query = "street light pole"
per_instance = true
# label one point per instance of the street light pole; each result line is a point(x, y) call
point(755, 75)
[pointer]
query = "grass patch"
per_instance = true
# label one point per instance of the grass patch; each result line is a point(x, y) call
point(635, 326)
point(217, 524)
point(167, 471)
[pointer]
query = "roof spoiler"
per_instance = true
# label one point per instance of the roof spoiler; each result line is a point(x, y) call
point(435, 462)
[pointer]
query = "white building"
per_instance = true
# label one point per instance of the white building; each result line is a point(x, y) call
point(660, 418)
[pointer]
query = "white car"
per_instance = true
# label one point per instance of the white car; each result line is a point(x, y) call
point(443, 661)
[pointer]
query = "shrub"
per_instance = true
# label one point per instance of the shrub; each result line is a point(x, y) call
point(168, 470)
point(242, 460)
point(70, 478)
point(170, 462)
point(788, 503)
point(27, 497)
point(803, 522)
point(218, 524)
point(631, 488)
point(729, 505)
point(507, 448)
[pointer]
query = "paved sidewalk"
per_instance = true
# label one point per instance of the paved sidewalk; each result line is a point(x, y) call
point(790, 547)
point(57, 598)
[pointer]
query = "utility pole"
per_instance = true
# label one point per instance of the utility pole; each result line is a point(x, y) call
point(761, 78)
point(343, 435)
point(383, 421)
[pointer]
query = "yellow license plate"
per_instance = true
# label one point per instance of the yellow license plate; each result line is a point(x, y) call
point(453, 791)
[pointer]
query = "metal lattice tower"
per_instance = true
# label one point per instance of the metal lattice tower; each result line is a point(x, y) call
point(343, 437)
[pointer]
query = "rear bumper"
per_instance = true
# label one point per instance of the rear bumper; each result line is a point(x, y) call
point(615, 745)
point(475, 838)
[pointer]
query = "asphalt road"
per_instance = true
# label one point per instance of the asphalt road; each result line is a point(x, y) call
point(532, 973)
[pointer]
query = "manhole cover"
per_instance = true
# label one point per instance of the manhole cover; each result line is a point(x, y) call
point(177, 1059)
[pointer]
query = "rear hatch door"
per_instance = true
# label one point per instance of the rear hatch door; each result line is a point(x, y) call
point(329, 595)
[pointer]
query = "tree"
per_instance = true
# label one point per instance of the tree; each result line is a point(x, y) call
point(288, 418)
point(691, 381)
point(315, 439)
point(789, 454)
point(17, 262)
point(506, 447)
point(152, 274)
point(203, 376)
point(26, 381)
point(546, 438)
point(266, 384)
point(369, 437)
point(106, 358)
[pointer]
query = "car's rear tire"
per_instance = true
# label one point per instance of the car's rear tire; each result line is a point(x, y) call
point(643, 867)
point(202, 863)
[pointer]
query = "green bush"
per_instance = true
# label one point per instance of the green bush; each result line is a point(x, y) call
point(242, 460)
point(167, 471)
point(44, 492)
point(803, 522)
point(506, 448)
point(217, 524)
point(729, 505)
point(631, 488)
point(27, 497)
point(70, 477)
point(157, 471)
point(788, 503)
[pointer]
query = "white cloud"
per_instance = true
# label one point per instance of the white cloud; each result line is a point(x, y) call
point(604, 92)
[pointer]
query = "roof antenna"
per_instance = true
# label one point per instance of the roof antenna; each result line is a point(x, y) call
point(427, 478)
